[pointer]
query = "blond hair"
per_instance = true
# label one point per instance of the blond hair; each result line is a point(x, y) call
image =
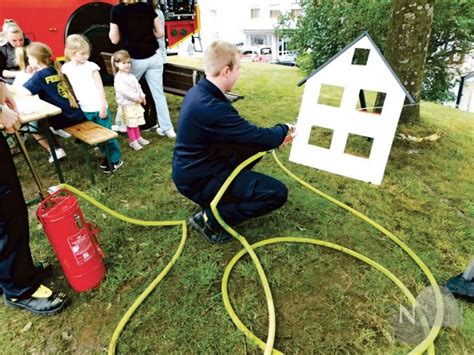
point(21, 58)
point(129, 1)
point(10, 26)
point(43, 55)
point(219, 55)
point(41, 52)
point(76, 43)
point(120, 57)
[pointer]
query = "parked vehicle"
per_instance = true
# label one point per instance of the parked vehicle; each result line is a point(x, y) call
point(286, 59)
point(263, 54)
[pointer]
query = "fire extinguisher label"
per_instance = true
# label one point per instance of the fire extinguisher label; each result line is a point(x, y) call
point(81, 247)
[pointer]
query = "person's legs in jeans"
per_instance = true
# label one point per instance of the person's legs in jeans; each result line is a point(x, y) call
point(154, 78)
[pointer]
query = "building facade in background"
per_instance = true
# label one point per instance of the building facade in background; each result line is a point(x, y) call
point(250, 24)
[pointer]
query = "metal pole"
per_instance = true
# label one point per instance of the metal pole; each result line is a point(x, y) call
point(42, 191)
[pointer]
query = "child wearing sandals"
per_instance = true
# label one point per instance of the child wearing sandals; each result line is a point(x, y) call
point(130, 97)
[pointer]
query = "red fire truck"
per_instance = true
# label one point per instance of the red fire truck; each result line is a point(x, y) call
point(51, 21)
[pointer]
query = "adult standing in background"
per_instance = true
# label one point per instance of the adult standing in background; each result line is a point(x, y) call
point(15, 38)
point(138, 26)
point(161, 40)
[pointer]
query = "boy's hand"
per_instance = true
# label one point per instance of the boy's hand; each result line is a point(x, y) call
point(291, 128)
point(291, 134)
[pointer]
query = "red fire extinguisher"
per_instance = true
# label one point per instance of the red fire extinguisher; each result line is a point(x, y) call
point(73, 239)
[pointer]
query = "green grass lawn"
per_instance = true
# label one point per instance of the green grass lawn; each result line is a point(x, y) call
point(326, 302)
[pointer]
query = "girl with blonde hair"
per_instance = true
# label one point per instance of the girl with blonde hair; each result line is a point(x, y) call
point(87, 85)
point(48, 83)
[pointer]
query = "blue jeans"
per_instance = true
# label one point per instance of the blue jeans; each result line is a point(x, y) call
point(113, 144)
point(153, 69)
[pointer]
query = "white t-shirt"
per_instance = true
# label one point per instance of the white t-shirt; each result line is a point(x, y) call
point(83, 84)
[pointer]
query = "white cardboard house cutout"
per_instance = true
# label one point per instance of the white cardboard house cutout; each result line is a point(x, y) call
point(375, 76)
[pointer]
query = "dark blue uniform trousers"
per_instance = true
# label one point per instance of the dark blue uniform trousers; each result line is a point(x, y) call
point(18, 276)
point(250, 195)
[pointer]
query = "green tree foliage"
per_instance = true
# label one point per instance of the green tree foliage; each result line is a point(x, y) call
point(452, 37)
point(327, 26)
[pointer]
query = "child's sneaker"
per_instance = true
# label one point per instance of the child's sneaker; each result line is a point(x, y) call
point(60, 153)
point(143, 141)
point(169, 133)
point(115, 167)
point(104, 164)
point(135, 145)
point(120, 128)
point(59, 132)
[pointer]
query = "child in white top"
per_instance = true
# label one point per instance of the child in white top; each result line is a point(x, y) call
point(130, 97)
point(87, 86)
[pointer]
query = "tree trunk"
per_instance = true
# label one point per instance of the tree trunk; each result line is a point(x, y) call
point(407, 45)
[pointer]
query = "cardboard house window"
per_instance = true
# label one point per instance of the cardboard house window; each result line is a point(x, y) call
point(361, 56)
point(371, 101)
point(330, 95)
point(358, 146)
point(321, 137)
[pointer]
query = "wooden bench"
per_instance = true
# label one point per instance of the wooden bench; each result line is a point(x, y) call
point(91, 134)
point(177, 78)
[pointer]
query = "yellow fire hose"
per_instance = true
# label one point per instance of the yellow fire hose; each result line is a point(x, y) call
point(426, 344)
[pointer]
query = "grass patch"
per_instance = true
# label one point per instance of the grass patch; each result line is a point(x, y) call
point(326, 302)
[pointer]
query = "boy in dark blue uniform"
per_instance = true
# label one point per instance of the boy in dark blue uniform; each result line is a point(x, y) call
point(213, 139)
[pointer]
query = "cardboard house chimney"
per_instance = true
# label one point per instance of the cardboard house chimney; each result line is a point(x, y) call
point(336, 130)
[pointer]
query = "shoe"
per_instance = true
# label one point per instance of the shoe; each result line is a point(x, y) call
point(119, 128)
point(43, 302)
point(198, 221)
point(61, 133)
point(135, 145)
point(143, 141)
point(149, 128)
point(60, 153)
point(169, 133)
point(104, 164)
point(115, 167)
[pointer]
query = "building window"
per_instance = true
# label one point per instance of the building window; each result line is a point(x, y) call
point(295, 2)
point(295, 13)
point(214, 13)
point(283, 47)
point(274, 14)
point(258, 40)
point(254, 13)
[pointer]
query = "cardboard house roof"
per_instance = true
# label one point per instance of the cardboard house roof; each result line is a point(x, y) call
point(364, 34)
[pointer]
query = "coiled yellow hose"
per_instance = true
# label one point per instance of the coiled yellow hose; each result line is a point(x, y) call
point(426, 344)
point(126, 317)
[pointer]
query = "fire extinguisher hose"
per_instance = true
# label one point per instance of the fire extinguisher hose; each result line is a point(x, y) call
point(426, 345)
point(126, 317)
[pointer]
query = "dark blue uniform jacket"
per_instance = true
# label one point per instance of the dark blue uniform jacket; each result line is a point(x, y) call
point(210, 131)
